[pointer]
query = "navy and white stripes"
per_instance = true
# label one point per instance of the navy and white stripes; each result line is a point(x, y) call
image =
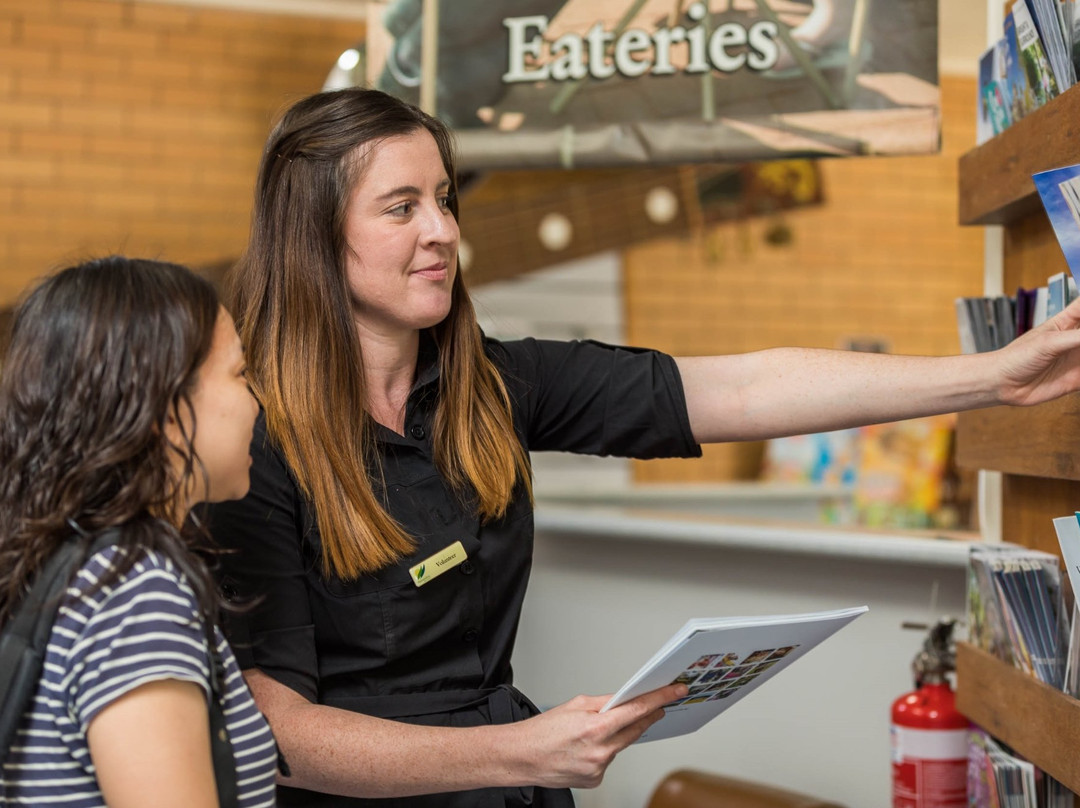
point(143, 628)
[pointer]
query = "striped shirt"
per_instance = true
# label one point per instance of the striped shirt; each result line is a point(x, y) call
point(143, 628)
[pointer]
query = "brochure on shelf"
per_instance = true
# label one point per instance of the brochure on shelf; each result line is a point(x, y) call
point(1035, 63)
point(994, 103)
point(1020, 94)
point(1059, 190)
point(721, 660)
point(1016, 609)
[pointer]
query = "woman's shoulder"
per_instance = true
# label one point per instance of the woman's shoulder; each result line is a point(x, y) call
point(532, 358)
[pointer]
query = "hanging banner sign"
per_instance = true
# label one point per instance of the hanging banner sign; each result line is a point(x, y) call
point(584, 83)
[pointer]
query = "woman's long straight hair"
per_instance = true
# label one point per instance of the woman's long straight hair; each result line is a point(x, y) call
point(293, 310)
point(102, 356)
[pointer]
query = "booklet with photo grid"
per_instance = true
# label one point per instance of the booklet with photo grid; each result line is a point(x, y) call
point(721, 660)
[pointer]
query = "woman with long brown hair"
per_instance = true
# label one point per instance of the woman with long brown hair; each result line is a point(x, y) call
point(122, 404)
point(388, 528)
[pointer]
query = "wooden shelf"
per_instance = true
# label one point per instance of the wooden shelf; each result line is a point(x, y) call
point(1033, 446)
point(1034, 719)
point(1038, 441)
point(995, 178)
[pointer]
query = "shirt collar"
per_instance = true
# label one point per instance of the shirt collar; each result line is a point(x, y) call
point(427, 361)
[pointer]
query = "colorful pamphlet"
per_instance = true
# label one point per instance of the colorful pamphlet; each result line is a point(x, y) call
point(1021, 95)
point(1035, 62)
point(1059, 189)
point(1016, 609)
point(721, 660)
point(994, 102)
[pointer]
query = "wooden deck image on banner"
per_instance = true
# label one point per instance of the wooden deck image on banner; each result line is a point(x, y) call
point(516, 222)
point(587, 83)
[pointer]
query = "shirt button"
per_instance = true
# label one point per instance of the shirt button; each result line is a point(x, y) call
point(470, 635)
point(467, 568)
point(417, 431)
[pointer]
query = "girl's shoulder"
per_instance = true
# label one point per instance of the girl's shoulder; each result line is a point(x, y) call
point(150, 579)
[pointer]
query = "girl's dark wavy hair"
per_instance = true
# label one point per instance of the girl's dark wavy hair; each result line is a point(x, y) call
point(101, 355)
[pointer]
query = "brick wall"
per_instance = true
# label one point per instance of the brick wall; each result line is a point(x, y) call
point(137, 127)
point(883, 257)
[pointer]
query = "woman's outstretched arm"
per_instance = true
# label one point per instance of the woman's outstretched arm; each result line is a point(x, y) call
point(789, 391)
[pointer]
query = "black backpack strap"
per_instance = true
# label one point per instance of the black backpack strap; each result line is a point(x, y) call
point(25, 635)
point(221, 749)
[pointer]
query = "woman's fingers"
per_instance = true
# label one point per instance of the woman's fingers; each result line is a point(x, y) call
point(642, 712)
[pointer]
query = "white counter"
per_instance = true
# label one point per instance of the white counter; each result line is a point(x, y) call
point(654, 525)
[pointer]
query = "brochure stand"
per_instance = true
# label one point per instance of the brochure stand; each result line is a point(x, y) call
point(1035, 447)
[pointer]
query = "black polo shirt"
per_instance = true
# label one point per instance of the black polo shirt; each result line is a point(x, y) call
point(437, 654)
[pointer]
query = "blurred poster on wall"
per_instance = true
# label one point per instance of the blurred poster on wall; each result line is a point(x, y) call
point(590, 83)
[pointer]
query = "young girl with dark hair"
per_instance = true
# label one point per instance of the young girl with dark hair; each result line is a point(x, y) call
point(123, 402)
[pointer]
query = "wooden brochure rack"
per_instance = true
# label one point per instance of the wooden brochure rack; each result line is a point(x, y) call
point(1037, 448)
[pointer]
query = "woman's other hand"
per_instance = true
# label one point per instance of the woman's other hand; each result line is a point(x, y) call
point(572, 745)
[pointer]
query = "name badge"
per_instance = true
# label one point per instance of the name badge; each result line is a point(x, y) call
point(434, 566)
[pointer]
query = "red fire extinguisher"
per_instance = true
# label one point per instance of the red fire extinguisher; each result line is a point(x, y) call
point(929, 736)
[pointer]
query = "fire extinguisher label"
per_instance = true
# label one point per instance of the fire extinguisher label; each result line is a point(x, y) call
point(929, 768)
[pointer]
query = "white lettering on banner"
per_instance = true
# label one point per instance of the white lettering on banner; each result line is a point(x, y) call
point(633, 41)
point(519, 48)
point(763, 48)
point(600, 54)
point(569, 59)
point(726, 36)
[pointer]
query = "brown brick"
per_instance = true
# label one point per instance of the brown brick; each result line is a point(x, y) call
point(34, 169)
point(92, 175)
point(25, 9)
point(194, 96)
point(54, 33)
point(172, 122)
point(126, 40)
point(50, 143)
point(57, 202)
point(227, 74)
point(22, 113)
point(162, 15)
point(98, 64)
point(202, 44)
point(39, 257)
point(131, 146)
point(95, 118)
point(113, 90)
point(33, 85)
point(242, 23)
point(123, 200)
point(92, 12)
point(23, 58)
point(158, 69)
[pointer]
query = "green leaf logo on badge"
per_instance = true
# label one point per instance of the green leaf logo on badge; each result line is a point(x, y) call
point(420, 572)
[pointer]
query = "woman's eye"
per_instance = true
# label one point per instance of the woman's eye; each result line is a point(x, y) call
point(444, 201)
point(404, 209)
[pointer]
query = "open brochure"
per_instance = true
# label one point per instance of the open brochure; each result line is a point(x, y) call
point(723, 659)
